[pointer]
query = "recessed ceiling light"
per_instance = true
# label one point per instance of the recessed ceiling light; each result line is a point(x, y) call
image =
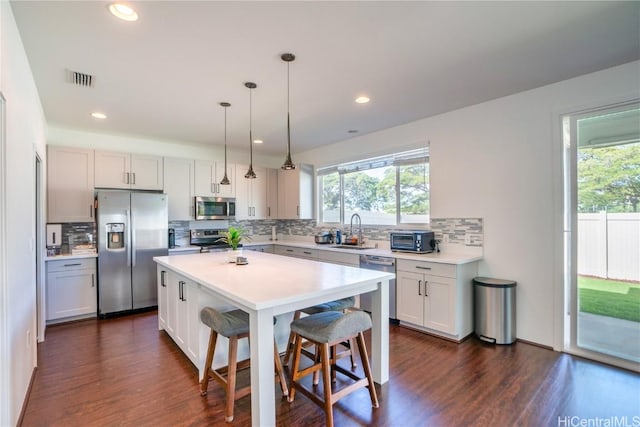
point(123, 11)
point(97, 115)
point(362, 99)
point(257, 141)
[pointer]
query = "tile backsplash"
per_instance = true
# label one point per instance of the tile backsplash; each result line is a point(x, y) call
point(77, 233)
point(453, 230)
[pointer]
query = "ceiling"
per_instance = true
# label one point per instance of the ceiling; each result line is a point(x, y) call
point(163, 76)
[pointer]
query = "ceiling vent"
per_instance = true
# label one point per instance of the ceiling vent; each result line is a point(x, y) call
point(80, 79)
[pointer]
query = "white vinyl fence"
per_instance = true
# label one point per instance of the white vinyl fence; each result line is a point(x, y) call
point(609, 245)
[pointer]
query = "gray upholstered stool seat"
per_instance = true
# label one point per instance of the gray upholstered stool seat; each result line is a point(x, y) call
point(325, 330)
point(226, 323)
point(337, 305)
point(331, 326)
point(233, 325)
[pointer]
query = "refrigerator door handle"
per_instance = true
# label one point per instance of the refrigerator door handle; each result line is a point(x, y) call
point(132, 239)
point(128, 236)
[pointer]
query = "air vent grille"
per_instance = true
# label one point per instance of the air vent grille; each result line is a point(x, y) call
point(80, 79)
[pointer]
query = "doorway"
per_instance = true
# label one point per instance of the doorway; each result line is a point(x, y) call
point(602, 234)
point(39, 248)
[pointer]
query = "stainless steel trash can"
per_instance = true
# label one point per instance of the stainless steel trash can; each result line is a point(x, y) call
point(495, 310)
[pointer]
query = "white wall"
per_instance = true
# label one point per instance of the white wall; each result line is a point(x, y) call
point(127, 144)
point(25, 136)
point(502, 161)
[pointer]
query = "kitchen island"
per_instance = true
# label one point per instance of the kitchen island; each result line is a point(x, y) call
point(269, 285)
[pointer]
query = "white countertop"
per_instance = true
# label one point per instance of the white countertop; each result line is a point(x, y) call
point(445, 257)
point(250, 284)
point(69, 256)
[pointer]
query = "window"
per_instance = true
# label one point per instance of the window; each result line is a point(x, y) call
point(389, 190)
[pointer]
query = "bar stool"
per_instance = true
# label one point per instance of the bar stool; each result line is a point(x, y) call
point(325, 330)
point(338, 305)
point(234, 325)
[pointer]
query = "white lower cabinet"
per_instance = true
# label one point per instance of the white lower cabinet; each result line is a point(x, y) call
point(178, 312)
point(71, 289)
point(436, 297)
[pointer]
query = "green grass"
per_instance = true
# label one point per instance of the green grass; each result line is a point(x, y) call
point(609, 298)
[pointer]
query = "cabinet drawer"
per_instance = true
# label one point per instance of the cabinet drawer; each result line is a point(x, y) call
point(425, 267)
point(71, 264)
point(296, 252)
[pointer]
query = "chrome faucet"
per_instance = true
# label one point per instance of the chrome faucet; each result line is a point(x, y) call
point(355, 215)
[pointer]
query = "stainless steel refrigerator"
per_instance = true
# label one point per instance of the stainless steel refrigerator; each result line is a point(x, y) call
point(132, 229)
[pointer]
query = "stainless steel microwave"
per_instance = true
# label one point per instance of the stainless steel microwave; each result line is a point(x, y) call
point(214, 208)
point(420, 242)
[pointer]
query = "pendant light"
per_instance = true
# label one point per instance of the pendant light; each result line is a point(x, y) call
point(250, 173)
point(288, 164)
point(225, 179)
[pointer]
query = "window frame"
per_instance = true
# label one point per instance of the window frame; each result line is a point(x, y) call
point(397, 160)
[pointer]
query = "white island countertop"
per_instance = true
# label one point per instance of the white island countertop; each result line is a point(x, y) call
point(269, 280)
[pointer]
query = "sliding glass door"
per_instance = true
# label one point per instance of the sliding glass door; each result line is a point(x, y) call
point(602, 234)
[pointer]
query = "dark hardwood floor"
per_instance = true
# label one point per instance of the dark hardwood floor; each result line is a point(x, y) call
point(124, 372)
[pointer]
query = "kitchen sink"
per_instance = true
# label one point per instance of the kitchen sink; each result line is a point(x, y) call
point(352, 247)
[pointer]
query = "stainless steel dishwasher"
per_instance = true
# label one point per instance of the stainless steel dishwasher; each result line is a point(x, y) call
point(379, 263)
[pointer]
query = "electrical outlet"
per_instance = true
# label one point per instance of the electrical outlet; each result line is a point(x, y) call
point(467, 239)
point(289, 231)
point(445, 238)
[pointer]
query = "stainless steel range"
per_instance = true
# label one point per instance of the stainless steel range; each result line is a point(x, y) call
point(208, 240)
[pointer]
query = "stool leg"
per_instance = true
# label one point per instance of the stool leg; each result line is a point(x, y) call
point(287, 354)
point(367, 370)
point(326, 382)
point(296, 365)
point(231, 378)
point(352, 347)
point(279, 371)
point(213, 336)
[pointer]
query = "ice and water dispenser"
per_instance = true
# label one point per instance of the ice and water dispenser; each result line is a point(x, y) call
point(115, 235)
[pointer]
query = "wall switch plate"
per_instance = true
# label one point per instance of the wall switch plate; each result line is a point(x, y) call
point(467, 239)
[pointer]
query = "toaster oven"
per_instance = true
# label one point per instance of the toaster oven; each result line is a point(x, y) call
point(420, 242)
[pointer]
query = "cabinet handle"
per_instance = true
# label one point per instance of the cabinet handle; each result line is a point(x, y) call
point(426, 294)
point(72, 265)
point(126, 177)
point(308, 253)
point(269, 211)
point(162, 282)
point(180, 291)
point(423, 268)
point(90, 211)
point(133, 178)
point(419, 284)
point(298, 210)
point(248, 211)
point(93, 280)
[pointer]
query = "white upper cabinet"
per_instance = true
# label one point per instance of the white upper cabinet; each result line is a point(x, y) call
point(251, 194)
point(272, 194)
point(128, 171)
point(69, 184)
point(179, 186)
point(208, 175)
point(295, 193)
